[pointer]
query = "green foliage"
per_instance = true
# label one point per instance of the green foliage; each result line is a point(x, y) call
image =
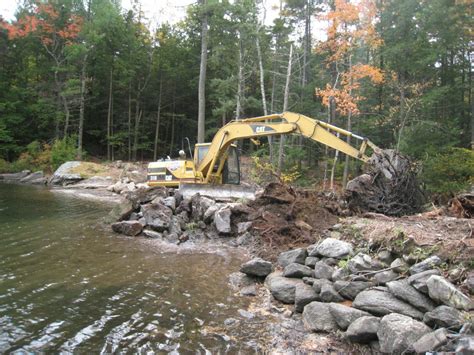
point(63, 150)
point(450, 171)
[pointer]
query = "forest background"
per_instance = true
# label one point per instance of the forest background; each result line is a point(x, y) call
point(89, 79)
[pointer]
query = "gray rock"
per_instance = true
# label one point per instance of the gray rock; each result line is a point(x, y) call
point(311, 249)
point(63, 175)
point(32, 177)
point(175, 226)
point(248, 291)
point(297, 271)
point(341, 273)
point(257, 267)
point(344, 315)
point(329, 294)
point(444, 317)
point(398, 332)
point(170, 202)
point(332, 248)
point(309, 280)
point(362, 262)
point(465, 345)
point(380, 302)
point(171, 237)
point(208, 216)
point(318, 284)
point(400, 266)
point(318, 318)
point(330, 261)
point(381, 278)
point(311, 261)
point(323, 270)
point(157, 216)
point(199, 205)
point(245, 239)
point(120, 211)
point(402, 289)
point(304, 294)
point(243, 227)
point(292, 256)
point(350, 289)
point(222, 220)
point(239, 280)
point(419, 280)
point(427, 264)
point(363, 329)
point(184, 206)
point(442, 291)
point(470, 282)
point(282, 288)
point(130, 228)
point(385, 256)
point(152, 234)
point(15, 176)
point(430, 341)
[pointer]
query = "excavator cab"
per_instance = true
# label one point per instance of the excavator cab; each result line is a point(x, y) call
point(231, 168)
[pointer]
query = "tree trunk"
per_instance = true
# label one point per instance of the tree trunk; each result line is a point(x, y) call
point(285, 108)
point(81, 108)
point(402, 108)
point(349, 128)
point(130, 120)
point(109, 115)
point(202, 76)
point(240, 79)
point(138, 116)
point(158, 116)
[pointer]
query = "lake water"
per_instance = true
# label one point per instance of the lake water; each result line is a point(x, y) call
point(69, 284)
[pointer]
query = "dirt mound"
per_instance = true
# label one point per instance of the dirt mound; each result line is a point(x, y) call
point(288, 218)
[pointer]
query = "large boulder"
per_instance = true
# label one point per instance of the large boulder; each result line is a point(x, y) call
point(63, 175)
point(131, 228)
point(323, 270)
point(430, 342)
point(157, 216)
point(402, 289)
point(332, 248)
point(34, 178)
point(381, 278)
point(329, 294)
point(304, 294)
point(427, 264)
point(256, 267)
point(318, 318)
point(398, 332)
point(199, 205)
point(444, 317)
point(222, 220)
point(380, 302)
point(363, 329)
point(419, 280)
point(15, 176)
point(238, 280)
point(282, 288)
point(292, 256)
point(344, 315)
point(442, 291)
point(297, 271)
point(140, 196)
point(350, 289)
point(363, 262)
point(121, 211)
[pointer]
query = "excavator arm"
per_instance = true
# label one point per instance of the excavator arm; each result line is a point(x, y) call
point(277, 124)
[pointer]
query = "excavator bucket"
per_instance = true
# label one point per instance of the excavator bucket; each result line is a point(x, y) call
point(224, 192)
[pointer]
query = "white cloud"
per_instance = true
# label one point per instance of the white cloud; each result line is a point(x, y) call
point(7, 9)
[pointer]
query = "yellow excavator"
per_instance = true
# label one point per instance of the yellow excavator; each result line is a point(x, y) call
point(215, 168)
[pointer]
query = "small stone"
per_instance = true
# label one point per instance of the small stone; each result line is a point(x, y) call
point(238, 280)
point(333, 248)
point(245, 239)
point(379, 302)
point(246, 314)
point(465, 345)
point(400, 266)
point(340, 274)
point(297, 271)
point(350, 289)
point(130, 228)
point(304, 294)
point(256, 267)
point(470, 282)
point(303, 225)
point(397, 332)
point(249, 291)
point(230, 321)
point(309, 280)
point(318, 284)
point(208, 216)
point(381, 278)
point(222, 220)
point(170, 202)
point(402, 290)
point(344, 315)
point(430, 342)
point(243, 227)
point(329, 294)
point(444, 317)
point(361, 262)
point(426, 264)
point(311, 261)
point(152, 234)
point(292, 256)
point(442, 291)
point(363, 329)
point(318, 318)
point(330, 261)
point(323, 270)
point(385, 256)
point(419, 280)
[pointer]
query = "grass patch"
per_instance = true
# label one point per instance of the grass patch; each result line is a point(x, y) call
point(88, 170)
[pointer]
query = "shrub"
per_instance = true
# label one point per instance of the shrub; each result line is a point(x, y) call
point(449, 172)
point(63, 150)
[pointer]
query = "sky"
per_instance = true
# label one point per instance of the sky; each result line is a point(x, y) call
point(157, 11)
